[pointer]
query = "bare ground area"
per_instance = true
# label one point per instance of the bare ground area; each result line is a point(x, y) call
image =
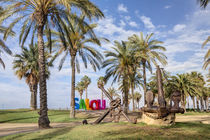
point(14, 128)
point(205, 119)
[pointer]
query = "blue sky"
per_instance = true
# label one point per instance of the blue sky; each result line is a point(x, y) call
point(181, 25)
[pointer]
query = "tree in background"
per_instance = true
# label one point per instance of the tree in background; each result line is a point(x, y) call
point(101, 81)
point(86, 80)
point(146, 52)
point(26, 66)
point(119, 66)
point(113, 92)
point(80, 87)
point(137, 98)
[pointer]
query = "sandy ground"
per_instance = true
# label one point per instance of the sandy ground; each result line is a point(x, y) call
point(205, 119)
point(14, 128)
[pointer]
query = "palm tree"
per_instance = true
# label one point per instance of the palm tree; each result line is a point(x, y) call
point(101, 81)
point(198, 80)
point(135, 81)
point(147, 52)
point(77, 42)
point(80, 87)
point(37, 16)
point(137, 98)
point(26, 66)
point(86, 80)
point(113, 92)
point(119, 65)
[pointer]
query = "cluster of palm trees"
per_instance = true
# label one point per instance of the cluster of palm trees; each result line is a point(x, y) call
point(128, 58)
point(83, 85)
point(191, 85)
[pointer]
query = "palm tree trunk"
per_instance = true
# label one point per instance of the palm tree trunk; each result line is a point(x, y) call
point(32, 97)
point(202, 105)
point(43, 119)
point(207, 103)
point(145, 83)
point(188, 102)
point(33, 89)
point(72, 108)
point(183, 101)
point(86, 93)
point(193, 99)
point(132, 92)
point(35, 95)
point(197, 102)
point(125, 86)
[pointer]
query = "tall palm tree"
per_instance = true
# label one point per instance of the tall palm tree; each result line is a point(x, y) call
point(113, 92)
point(101, 81)
point(36, 16)
point(147, 52)
point(26, 66)
point(78, 40)
point(119, 65)
point(137, 98)
point(80, 87)
point(86, 80)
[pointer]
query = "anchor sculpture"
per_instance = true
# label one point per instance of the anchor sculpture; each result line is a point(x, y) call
point(161, 111)
point(115, 109)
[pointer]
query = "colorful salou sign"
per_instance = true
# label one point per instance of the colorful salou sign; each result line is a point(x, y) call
point(92, 105)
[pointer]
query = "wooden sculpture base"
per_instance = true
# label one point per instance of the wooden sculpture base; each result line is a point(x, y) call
point(153, 119)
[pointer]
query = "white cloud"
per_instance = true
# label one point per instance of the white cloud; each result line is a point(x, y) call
point(122, 23)
point(179, 27)
point(167, 6)
point(147, 22)
point(127, 18)
point(122, 8)
point(133, 24)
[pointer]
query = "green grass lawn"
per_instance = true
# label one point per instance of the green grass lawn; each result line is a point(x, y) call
point(185, 131)
point(28, 116)
point(122, 130)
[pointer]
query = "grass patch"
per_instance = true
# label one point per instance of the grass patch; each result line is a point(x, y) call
point(107, 131)
point(28, 116)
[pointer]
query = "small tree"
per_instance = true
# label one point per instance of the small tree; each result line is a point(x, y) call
point(86, 80)
point(80, 87)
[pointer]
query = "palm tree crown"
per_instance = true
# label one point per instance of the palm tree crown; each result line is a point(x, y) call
point(147, 52)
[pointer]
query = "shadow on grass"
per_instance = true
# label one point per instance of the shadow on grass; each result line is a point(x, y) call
point(26, 118)
point(50, 135)
point(7, 112)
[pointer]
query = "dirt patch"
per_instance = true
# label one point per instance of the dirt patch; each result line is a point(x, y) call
point(194, 118)
point(14, 128)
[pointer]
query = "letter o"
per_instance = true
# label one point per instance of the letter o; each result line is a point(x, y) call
point(96, 103)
